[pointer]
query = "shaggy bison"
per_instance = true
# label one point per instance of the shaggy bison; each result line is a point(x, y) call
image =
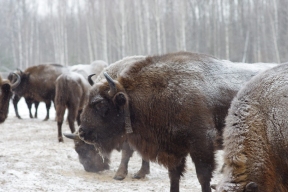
point(5, 94)
point(167, 106)
point(38, 83)
point(255, 135)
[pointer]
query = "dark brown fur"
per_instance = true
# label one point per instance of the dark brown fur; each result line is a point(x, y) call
point(38, 83)
point(5, 95)
point(177, 104)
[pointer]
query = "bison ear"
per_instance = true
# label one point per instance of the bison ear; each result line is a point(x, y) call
point(251, 187)
point(120, 99)
point(6, 87)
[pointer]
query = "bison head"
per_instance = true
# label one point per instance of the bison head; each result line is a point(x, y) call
point(6, 94)
point(106, 118)
point(88, 156)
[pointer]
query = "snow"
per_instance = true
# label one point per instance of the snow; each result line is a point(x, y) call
point(31, 159)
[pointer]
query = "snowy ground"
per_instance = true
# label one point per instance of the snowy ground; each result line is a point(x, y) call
point(31, 159)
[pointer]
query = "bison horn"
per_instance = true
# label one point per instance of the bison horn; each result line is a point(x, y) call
point(112, 85)
point(17, 82)
point(71, 136)
point(91, 82)
point(19, 70)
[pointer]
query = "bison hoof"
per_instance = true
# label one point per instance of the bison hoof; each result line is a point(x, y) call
point(60, 139)
point(119, 177)
point(139, 176)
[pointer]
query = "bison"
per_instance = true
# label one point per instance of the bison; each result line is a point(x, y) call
point(29, 101)
point(168, 106)
point(5, 94)
point(71, 92)
point(255, 135)
point(38, 83)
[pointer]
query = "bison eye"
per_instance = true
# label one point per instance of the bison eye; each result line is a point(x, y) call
point(101, 106)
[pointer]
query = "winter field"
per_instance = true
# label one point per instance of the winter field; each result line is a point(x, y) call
point(31, 159)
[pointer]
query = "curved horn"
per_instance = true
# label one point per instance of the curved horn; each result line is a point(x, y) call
point(17, 82)
point(71, 136)
point(91, 82)
point(112, 85)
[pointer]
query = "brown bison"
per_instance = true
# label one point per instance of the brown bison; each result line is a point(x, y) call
point(29, 101)
point(38, 83)
point(71, 93)
point(5, 94)
point(255, 135)
point(167, 106)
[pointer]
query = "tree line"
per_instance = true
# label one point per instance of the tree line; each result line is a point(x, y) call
point(72, 31)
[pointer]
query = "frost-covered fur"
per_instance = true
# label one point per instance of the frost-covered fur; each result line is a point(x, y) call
point(256, 135)
point(177, 104)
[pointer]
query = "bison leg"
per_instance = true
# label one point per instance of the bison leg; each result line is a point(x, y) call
point(48, 105)
point(144, 170)
point(36, 103)
point(29, 102)
point(72, 113)
point(78, 117)
point(15, 102)
point(60, 110)
point(175, 174)
point(122, 171)
point(203, 159)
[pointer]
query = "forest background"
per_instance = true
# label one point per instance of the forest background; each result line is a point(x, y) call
point(73, 31)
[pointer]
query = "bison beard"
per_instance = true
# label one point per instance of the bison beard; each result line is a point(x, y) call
point(167, 107)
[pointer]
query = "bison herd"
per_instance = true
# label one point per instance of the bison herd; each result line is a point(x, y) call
point(167, 107)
